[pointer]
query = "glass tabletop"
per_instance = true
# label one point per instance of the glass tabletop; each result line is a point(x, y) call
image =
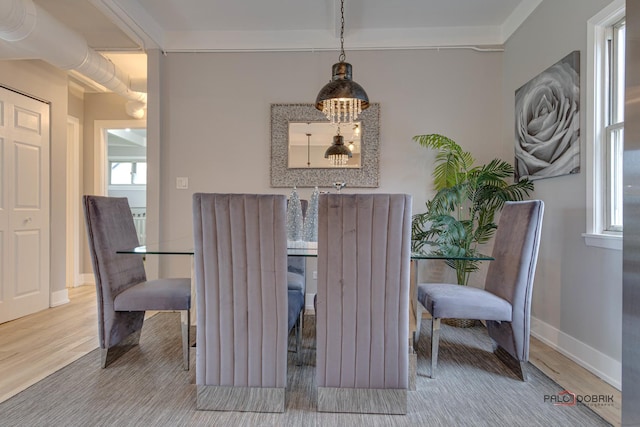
point(184, 246)
point(181, 246)
point(434, 255)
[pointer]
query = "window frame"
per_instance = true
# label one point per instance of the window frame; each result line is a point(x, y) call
point(598, 26)
point(614, 132)
point(134, 162)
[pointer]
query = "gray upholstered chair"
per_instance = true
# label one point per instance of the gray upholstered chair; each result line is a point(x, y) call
point(241, 295)
point(123, 291)
point(362, 350)
point(505, 301)
point(296, 286)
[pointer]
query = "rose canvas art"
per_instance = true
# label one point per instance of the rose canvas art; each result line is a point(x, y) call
point(547, 112)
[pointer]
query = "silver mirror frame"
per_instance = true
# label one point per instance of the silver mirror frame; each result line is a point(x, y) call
point(366, 176)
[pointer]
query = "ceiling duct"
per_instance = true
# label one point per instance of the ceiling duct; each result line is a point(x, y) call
point(28, 27)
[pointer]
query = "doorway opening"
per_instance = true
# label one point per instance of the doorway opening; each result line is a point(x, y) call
point(121, 166)
point(127, 172)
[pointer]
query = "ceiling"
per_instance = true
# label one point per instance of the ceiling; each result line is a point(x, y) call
point(124, 29)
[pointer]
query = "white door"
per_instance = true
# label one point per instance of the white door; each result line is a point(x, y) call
point(24, 205)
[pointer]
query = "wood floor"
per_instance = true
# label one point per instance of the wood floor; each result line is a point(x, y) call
point(35, 346)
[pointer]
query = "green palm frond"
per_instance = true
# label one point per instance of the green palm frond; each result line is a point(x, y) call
point(446, 200)
point(451, 161)
point(460, 216)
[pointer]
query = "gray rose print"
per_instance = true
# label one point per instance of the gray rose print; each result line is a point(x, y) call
point(548, 122)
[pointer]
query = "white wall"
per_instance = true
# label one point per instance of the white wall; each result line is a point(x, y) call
point(577, 297)
point(215, 118)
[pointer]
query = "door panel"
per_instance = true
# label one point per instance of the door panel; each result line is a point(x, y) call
point(27, 183)
point(27, 272)
point(24, 205)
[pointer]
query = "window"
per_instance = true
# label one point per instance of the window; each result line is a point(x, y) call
point(127, 173)
point(605, 126)
point(614, 126)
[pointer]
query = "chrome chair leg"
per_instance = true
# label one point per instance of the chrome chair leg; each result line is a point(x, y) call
point(185, 321)
point(435, 341)
point(299, 339)
point(419, 311)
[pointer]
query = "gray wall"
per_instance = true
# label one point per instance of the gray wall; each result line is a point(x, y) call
point(216, 117)
point(577, 292)
point(97, 106)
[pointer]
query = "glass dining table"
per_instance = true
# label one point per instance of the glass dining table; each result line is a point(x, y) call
point(184, 246)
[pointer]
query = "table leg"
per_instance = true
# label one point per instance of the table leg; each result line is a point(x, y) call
point(414, 323)
point(193, 291)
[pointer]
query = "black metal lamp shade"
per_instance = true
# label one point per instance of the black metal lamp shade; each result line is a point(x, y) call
point(342, 87)
point(342, 99)
point(338, 153)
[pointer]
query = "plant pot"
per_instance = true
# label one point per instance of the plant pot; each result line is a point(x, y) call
point(459, 323)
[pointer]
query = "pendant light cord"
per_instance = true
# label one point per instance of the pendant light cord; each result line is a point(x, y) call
point(342, 56)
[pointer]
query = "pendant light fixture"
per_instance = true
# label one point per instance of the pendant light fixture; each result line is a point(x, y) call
point(338, 154)
point(342, 99)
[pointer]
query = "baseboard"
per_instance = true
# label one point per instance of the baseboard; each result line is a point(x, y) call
point(308, 303)
point(87, 279)
point(598, 363)
point(59, 298)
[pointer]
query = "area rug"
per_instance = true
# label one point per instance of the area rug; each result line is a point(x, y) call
point(147, 387)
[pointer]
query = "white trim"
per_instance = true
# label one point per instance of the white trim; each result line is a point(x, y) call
point(59, 298)
point(73, 202)
point(607, 241)
point(601, 365)
point(517, 17)
point(324, 40)
point(308, 303)
point(126, 187)
point(135, 21)
point(87, 279)
point(595, 110)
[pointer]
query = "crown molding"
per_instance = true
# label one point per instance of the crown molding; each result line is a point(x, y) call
point(134, 20)
point(517, 17)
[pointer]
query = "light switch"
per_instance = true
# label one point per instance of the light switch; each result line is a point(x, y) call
point(182, 183)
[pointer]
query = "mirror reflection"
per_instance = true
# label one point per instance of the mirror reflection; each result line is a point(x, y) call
point(309, 142)
point(366, 174)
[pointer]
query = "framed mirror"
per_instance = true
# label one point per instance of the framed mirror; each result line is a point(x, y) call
point(300, 135)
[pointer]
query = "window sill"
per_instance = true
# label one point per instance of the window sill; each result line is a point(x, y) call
point(127, 187)
point(608, 241)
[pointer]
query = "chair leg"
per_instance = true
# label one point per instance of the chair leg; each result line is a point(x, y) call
point(185, 321)
point(108, 355)
point(435, 341)
point(518, 367)
point(299, 338)
point(416, 333)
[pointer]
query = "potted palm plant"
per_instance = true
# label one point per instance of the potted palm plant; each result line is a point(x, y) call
point(460, 216)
